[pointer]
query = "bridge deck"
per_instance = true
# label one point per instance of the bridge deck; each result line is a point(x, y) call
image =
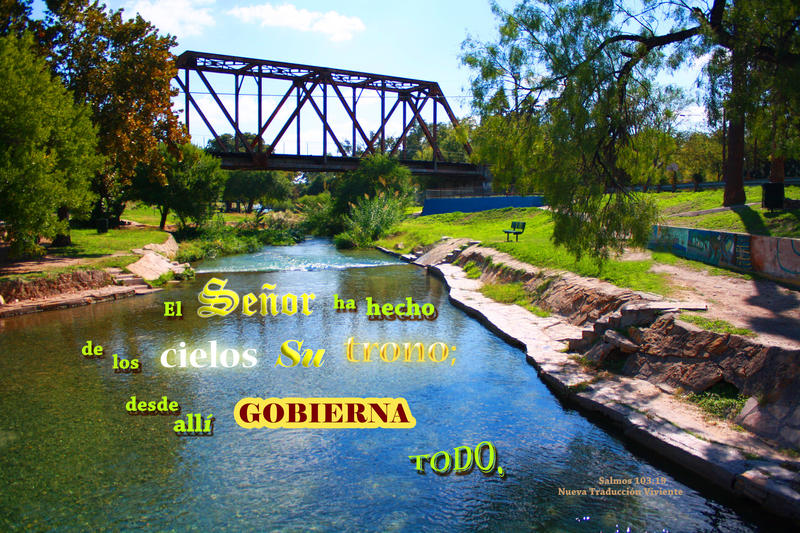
point(465, 172)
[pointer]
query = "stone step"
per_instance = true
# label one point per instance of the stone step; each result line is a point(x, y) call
point(130, 282)
point(145, 289)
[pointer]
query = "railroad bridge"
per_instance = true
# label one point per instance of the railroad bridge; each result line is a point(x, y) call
point(344, 137)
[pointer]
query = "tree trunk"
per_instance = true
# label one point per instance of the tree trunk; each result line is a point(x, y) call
point(734, 166)
point(777, 169)
point(163, 223)
point(63, 239)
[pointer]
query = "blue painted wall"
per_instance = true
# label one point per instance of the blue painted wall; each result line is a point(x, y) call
point(774, 257)
point(434, 206)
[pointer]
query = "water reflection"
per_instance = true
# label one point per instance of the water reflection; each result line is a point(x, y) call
point(71, 458)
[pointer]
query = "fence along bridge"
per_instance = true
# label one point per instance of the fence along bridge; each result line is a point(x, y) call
point(402, 101)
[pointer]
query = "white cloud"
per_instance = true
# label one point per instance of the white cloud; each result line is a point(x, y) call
point(181, 18)
point(336, 26)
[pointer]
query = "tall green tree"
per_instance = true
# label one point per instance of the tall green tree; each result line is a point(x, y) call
point(585, 68)
point(47, 147)
point(122, 69)
point(187, 183)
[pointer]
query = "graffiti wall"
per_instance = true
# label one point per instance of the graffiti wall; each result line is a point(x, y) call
point(771, 256)
point(775, 256)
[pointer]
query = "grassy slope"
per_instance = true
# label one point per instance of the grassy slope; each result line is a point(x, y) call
point(671, 203)
point(534, 245)
point(536, 248)
point(749, 219)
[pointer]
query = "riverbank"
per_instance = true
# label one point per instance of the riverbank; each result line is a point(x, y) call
point(45, 292)
point(739, 462)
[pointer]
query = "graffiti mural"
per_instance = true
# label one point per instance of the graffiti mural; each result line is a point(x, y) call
point(669, 239)
point(719, 248)
point(774, 257)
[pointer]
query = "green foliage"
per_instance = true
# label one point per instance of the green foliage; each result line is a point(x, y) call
point(47, 148)
point(162, 279)
point(700, 154)
point(193, 183)
point(512, 145)
point(369, 220)
point(251, 186)
point(217, 238)
point(375, 174)
point(317, 212)
point(122, 68)
point(513, 293)
point(580, 76)
point(722, 400)
point(230, 144)
point(718, 326)
point(472, 270)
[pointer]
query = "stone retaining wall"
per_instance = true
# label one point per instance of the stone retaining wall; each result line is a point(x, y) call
point(738, 462)
point(662, 349)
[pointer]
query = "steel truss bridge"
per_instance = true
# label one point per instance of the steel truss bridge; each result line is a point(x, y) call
point(402, 100)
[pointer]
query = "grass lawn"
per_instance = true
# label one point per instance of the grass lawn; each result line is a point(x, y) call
point(670, 203)
point(747, 219)
point(144, 214)
point(534, 245)
point(88, 243)
point(94, 251)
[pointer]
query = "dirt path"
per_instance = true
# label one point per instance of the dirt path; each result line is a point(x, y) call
point(766, 308)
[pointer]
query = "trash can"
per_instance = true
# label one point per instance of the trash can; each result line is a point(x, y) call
point(772, 195)
point(102, 225)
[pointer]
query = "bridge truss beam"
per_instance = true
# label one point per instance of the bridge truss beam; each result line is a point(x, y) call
point(312, 87)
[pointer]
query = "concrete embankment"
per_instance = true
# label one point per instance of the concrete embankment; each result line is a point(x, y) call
point(588, 317)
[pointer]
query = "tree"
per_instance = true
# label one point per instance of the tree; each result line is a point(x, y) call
point(253, 186)
point(122, 70)
point(47, 147)
point(14, 16)
point(231, 144)
point(192, 182)
point(584, 69)
point(376, 173)
point(700, 153)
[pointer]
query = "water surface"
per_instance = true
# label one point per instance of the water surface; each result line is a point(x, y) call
point(72, 459)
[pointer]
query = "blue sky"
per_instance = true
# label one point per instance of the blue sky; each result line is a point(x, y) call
point(410, 38)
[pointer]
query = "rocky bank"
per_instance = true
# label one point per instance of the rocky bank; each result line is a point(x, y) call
point(659, 355)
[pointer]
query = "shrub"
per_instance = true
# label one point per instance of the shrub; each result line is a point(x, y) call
point(369, 220)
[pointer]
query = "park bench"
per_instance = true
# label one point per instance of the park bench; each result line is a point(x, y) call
point(516, 229)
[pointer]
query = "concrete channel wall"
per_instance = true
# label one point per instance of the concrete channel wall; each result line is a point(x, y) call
point(773, 257)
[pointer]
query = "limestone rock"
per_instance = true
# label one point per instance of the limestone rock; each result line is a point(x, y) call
point(152, 266)
point(619, 341)
point(168, 248)
point(599, 352)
